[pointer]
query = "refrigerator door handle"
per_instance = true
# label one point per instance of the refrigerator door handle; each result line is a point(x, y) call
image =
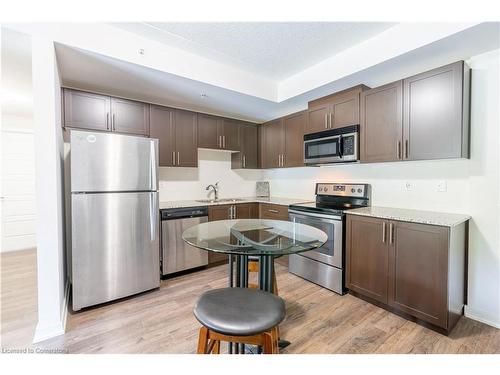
point(153, 163)
point(154, 216)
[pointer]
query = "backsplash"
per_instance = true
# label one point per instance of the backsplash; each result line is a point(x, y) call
point(213, 166)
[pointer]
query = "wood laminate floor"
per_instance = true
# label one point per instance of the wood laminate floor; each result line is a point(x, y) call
point(18, 298)
point(318, 321)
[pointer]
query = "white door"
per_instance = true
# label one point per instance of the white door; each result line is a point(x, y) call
point(17, 189)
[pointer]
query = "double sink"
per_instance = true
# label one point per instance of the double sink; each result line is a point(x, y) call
point(220, 200)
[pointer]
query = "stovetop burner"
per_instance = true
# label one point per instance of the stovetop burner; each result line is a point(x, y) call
point(334, 198)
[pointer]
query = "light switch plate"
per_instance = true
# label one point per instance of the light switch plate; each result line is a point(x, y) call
point(441, 186)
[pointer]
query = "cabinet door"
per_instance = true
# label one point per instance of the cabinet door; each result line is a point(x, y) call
point(221, 212)
point(161, 127)
point(130, 117)
point(243, 211)
point(432, 120)
point(317, 119)
point(231, 135)
point(367, 256)
point(273, 143)
point(418, 270)
point(186, 141)
point(209, 131)
point(294, 139)
point(345, 111)
point(382, 123)
point(86, 111)
point(248, 156)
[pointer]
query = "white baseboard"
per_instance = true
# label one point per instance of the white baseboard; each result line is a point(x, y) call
point(45, 333)
point(480, 317)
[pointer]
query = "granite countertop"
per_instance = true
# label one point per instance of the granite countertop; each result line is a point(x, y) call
point(194, 203)
point(415, 216)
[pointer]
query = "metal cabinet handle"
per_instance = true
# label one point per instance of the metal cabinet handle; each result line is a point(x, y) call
point(173, 157)
point(273, 211)
point(107, 121)
point(391, 233)
point(383, 232)
point(326, 120)
point(178, 158)
point(407, 152)
point(244, 161)
point(399, 149)
point(330, 117)
point(223, 141)
point(113, 126)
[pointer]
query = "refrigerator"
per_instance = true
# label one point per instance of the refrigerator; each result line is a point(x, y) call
point(114, 216)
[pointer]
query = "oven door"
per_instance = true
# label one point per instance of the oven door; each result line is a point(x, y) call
point(323, 150)
point(331, 252)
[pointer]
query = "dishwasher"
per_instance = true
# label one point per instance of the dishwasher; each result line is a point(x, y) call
point(177, 255)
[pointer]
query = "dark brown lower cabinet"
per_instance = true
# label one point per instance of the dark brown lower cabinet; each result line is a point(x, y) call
point(226, 212)
point(415, 270)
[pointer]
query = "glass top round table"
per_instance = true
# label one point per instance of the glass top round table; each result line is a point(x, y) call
point(255, 237)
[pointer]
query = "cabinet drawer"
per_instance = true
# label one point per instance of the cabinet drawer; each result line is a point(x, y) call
point(273, 211)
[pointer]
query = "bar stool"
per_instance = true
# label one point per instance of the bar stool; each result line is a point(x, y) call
point(239, 315)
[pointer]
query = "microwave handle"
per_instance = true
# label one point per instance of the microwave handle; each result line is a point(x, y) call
point(341, 146)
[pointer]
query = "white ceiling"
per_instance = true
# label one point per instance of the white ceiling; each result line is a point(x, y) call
point(274, 50)
point(96, 72)
point(17, 92)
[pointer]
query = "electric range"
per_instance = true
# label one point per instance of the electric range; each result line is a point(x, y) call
point(325, 266)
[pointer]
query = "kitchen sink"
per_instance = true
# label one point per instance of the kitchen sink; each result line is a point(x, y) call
point(219, 200)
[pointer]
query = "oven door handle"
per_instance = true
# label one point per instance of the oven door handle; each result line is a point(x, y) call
point(311, 214)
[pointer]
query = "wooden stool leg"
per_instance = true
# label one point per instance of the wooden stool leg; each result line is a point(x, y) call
point(203, 340)
point(275, 283)
point(268, 347)
point(216, 349)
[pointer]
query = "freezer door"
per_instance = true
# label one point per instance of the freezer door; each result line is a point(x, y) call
point(115, 246)
point(102, 162)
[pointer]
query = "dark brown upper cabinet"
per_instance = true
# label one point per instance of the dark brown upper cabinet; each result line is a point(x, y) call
point(282, 141)
point(272, 143)
point(247, 158)
point(293, 127)
point(100, 112)
point(129, 117)
point(218, 133)
point(162, 128)
point(209, 131)
point(381, 125)
point(176, 131)
point(436, 113)
point(417, 269)
point(186, 138)
point(85, 110)
point(334, 111)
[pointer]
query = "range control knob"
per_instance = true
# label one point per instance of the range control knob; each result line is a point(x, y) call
point(326, 189)
point(320, 188)
point(353, 190)
point(360, 191)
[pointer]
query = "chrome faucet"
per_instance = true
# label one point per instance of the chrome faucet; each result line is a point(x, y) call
point(215, 188)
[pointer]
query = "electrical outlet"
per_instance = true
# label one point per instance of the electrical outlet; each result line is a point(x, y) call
point(408, 186)
point(441, 186)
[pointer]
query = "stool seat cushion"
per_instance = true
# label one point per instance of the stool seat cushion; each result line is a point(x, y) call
point(239, 311)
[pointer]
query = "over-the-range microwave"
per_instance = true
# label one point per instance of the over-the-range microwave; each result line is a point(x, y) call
point(339, 145)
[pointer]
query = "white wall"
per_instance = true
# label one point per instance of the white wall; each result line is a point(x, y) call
point(472, 187)
point(49, 191)
point(213, 166)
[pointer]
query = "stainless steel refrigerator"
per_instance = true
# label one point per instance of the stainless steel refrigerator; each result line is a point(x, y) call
point(114, 216)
